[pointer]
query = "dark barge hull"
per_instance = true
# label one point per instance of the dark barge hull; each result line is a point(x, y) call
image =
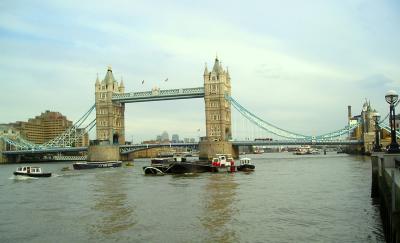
point(185, 167)
point(94, 165)
point(246, 167)
point(33, 175)
point(180, 168)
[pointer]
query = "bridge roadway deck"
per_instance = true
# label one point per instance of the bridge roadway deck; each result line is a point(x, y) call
point(124, 149)
point(45, 150)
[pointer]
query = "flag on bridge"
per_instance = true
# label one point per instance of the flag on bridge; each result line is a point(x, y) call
point(166, 80)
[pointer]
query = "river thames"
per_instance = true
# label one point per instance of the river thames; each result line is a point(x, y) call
point(289, 198)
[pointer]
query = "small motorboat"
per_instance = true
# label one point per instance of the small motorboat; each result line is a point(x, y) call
point(31, 171)
point(245, 165)
point(94, 165)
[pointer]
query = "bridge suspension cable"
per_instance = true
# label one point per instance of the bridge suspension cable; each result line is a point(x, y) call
point(282, 132)
point(337, 133)
point(264, 124)
point(72, 134)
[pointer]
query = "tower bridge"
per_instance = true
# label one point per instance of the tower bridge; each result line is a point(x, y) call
point(111, 98)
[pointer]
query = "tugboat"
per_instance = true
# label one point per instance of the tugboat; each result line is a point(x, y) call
point(245, 165)
point(94, 165)
point(223, 162)
point(31, 171)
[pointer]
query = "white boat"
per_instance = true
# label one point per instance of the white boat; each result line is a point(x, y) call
point(302, 150)
point(306, 149)
point(223, 161)
point(31, 171)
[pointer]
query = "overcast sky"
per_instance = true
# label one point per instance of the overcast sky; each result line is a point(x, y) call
point(296, 64)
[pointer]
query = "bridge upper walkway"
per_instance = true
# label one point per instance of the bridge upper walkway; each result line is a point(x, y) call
point(157, 95)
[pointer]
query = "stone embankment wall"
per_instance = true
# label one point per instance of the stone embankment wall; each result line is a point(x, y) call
point(386, 188)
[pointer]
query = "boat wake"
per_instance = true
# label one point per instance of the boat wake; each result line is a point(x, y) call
point(22, 178)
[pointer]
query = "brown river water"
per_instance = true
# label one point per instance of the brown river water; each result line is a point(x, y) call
point(289, 198)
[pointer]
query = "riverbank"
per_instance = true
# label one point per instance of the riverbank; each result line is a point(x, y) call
point(385, 187)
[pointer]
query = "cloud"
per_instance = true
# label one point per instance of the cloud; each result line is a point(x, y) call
point(285, 66)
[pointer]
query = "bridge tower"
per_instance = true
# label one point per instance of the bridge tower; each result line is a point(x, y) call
point(217, 84)
point(110, 122)
point(368, 127)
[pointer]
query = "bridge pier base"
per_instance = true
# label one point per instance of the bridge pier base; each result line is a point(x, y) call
point(208, 149)
point(103, 153)
point(3, 158)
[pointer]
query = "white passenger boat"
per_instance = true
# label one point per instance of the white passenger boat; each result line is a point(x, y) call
point(31, 171)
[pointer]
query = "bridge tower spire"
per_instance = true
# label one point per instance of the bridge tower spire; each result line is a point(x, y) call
point(217, 84)
point(110, 123)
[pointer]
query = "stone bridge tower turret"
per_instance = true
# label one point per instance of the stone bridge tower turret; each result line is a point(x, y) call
point(217, 84)
point(110, 123)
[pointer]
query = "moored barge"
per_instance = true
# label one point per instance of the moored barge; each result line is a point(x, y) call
point(94, 165)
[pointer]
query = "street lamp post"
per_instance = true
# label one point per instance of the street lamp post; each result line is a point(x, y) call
point(377, 147)
point(391, 97)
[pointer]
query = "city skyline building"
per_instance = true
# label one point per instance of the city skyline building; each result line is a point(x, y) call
point(175, 138)
point(164, 136)
point(43, 128)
